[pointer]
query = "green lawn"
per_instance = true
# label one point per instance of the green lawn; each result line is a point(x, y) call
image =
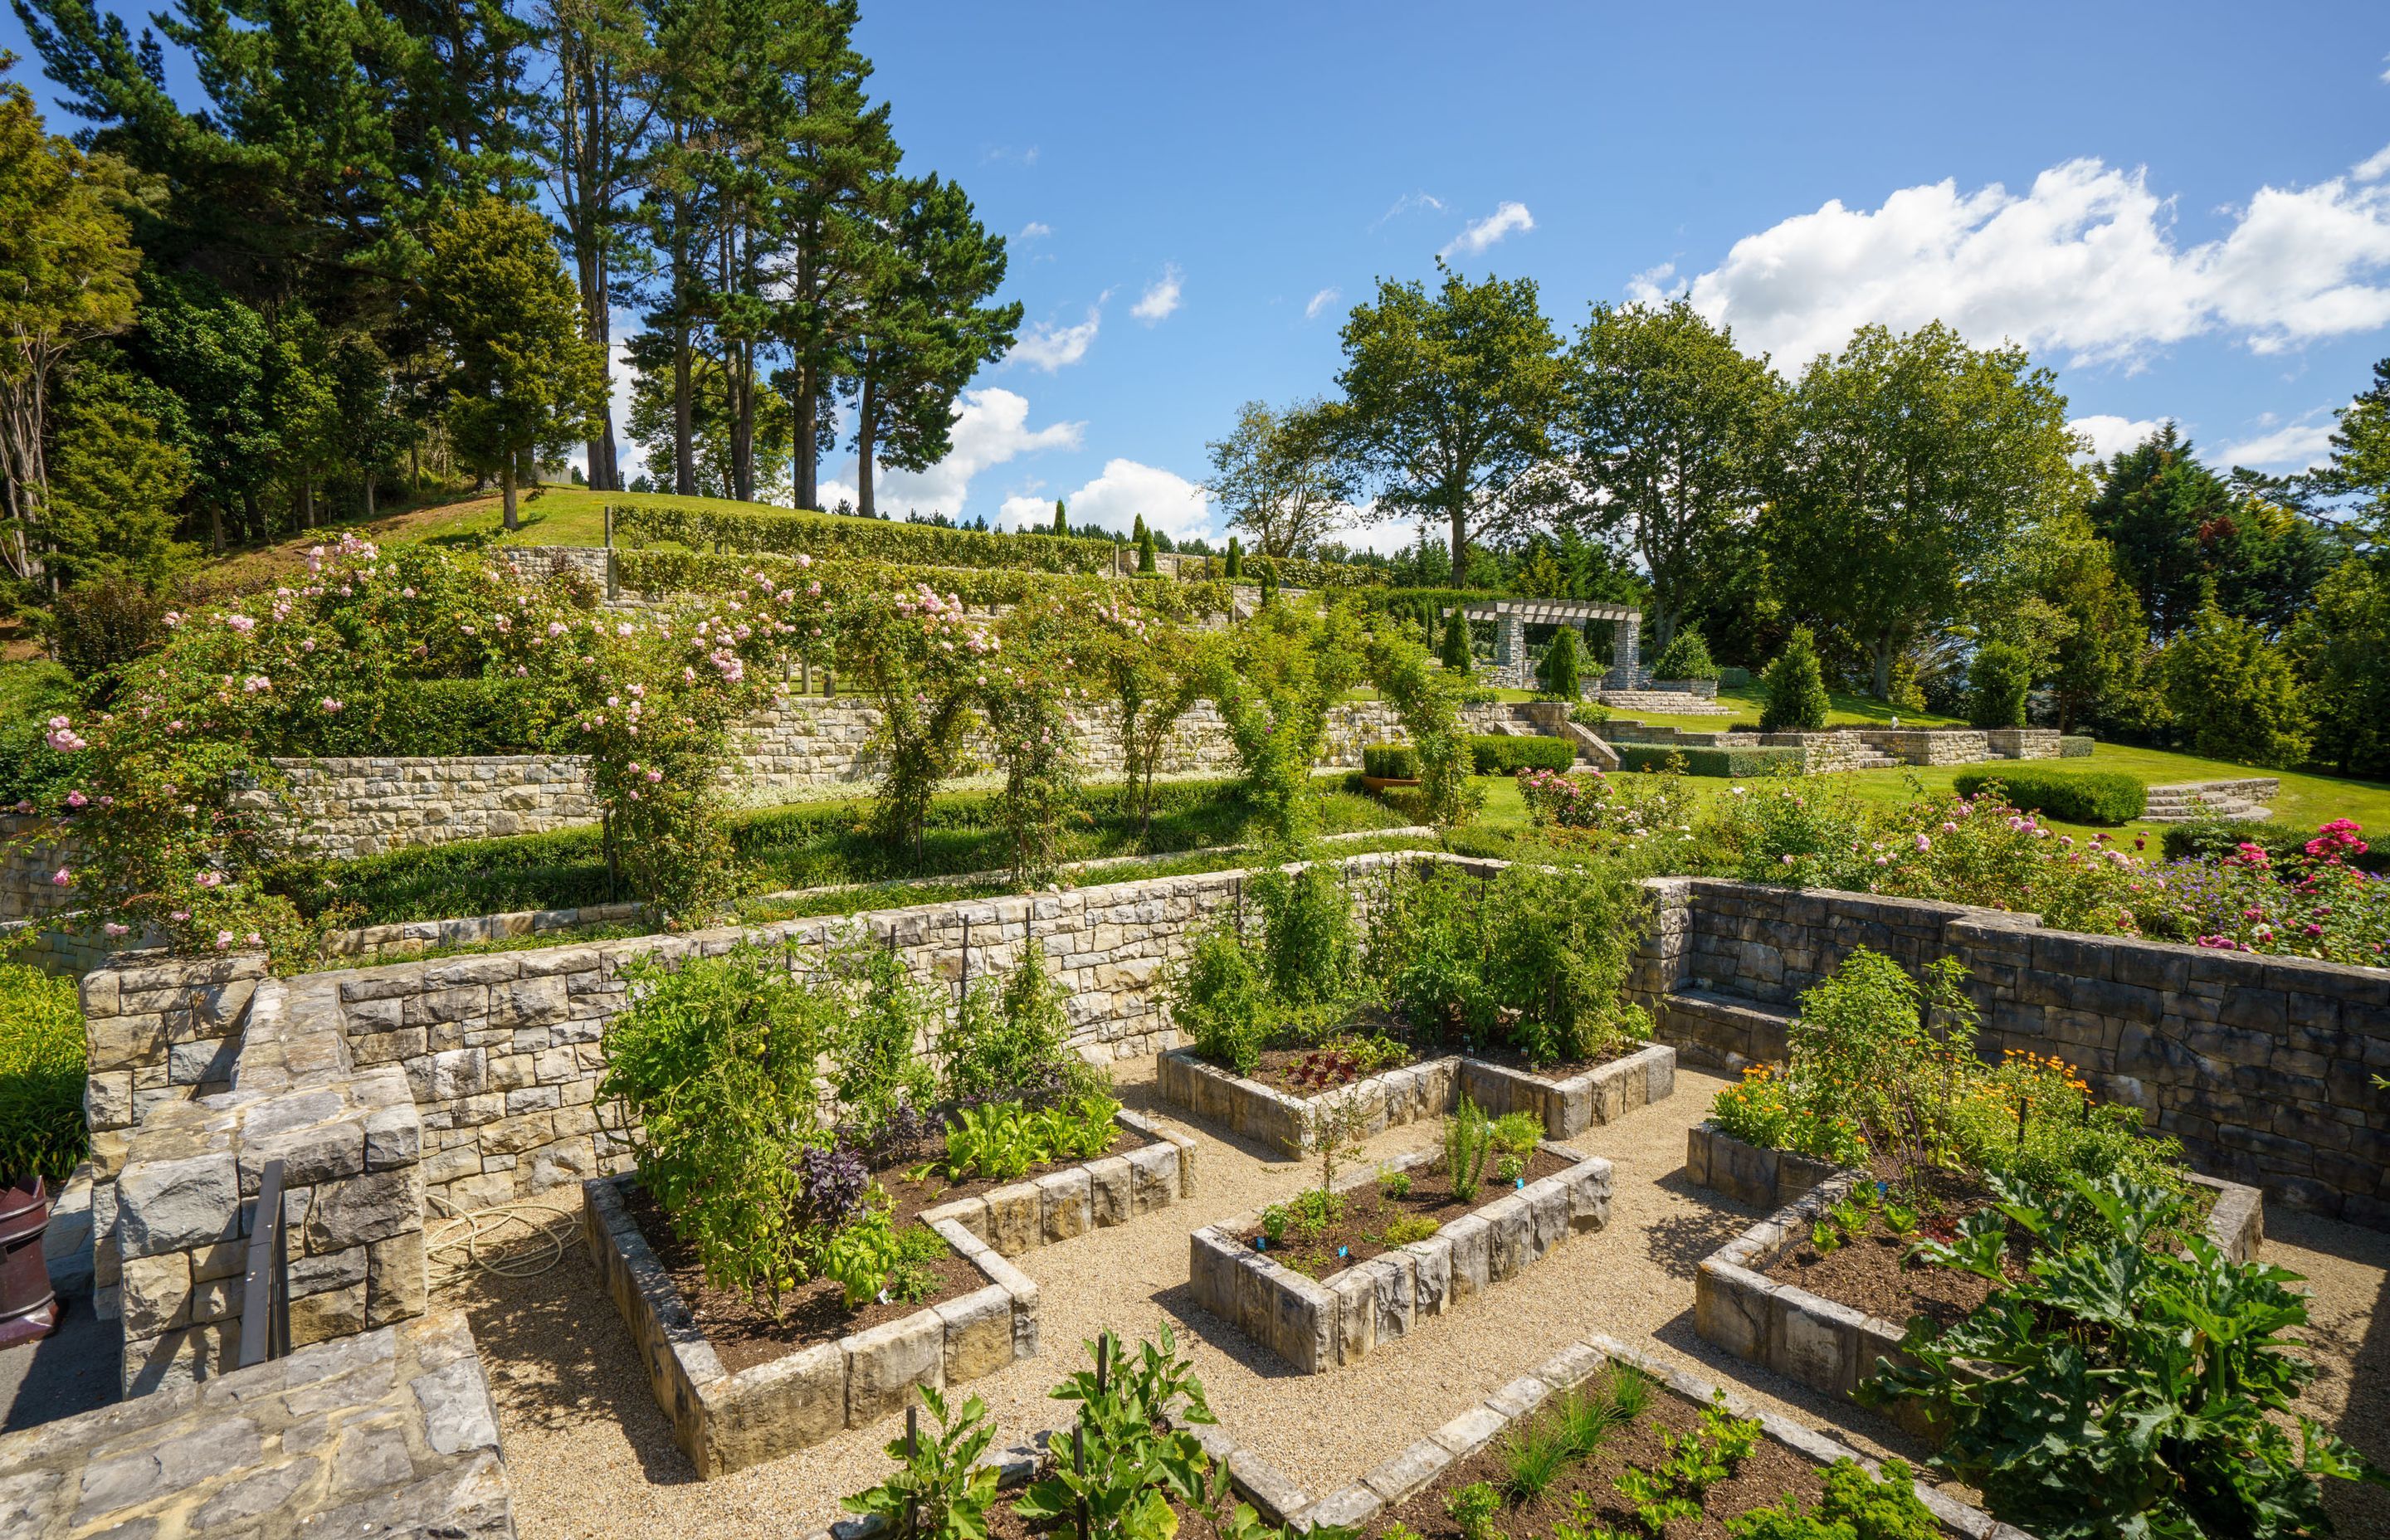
point(2306, 799)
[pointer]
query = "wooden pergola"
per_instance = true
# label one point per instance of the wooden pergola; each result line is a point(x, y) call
point(1511, 618)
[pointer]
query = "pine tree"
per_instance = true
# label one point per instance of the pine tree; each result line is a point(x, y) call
point(1062, 518)
point(2232, 692)
point(1456, 642)
point(1795, 687)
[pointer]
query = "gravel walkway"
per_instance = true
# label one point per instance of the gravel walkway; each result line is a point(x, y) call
point(591, 1455)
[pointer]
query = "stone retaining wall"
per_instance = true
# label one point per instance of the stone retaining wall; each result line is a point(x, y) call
point(345, 808)
point(32, 852)
point(2262, 1066)
point(1319, 1324)
point(392, 1433)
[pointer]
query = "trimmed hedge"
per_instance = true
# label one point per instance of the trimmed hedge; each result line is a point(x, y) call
point(1753, 761)
point(822, 535)
point(427, 717)
point(1392, 762)
point(2207, 839)
point(1498, 755)
point(685, 571)
point(2072, 747)
point(2071, 796)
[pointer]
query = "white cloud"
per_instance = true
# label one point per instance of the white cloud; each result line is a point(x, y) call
point(2085, 263)
point(2293, 446)
point(1170, 502)
point(1034, 230)
point(1656, 285)
point(1049, 347)
point(991, 427)
point(1480, 234)
point(1160, 297)
point(2375, 167)
point(1321, 302)
point(2111, 434)
point(1408, 203)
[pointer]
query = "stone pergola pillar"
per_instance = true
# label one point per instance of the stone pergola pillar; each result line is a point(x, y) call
point(1510, 642)
point(1625, 661)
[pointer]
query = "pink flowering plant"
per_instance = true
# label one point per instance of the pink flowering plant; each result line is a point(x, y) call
point(1642, 806)
point(178, 792)
point(2315, 903)
point(922, 658)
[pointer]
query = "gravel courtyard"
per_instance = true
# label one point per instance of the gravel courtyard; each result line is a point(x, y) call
point(591, 1455)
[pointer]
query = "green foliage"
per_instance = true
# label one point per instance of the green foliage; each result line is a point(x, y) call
point(1275, 678)
point(2136, 1386)
point(1390, 761)
point(664, 572)
point(1454, 653)
point(1427, 701)
point(1795, 687)
point(42, 1128)
point(712, 1066)
point(1395, 1185)
point(1736, 760)
point(2071, 796)
point(1496, 754)
point(868, 1256)
point(1998, 681)
point(2232, 694)
point(1411, 1227)
point(1123, 1472)
point(1467, 1136)
point(1018, 1039)
point(2074, 747)
point(1856, 1505)
point(1233, 566)
point(1673, 1488)
point(1307, 933)
point(878, 1040)
point(1687, 656)
point(1002, 1140)
point(1533, 1457)
point(2342, 643)
point(1518, 1133)
point(1219, 999)
point(1537, 959)
point(2214, 839)
point(1472, 1509)
point(1144, 554)
point(1558, 670)
point(939, 1490)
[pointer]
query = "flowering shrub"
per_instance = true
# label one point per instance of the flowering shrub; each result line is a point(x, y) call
point(1771, 1111)
point(176, 776)
point(2313, 905)
point(1636, 807)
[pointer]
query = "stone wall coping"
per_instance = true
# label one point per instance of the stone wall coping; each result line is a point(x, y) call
point(1097, 1194)
point(1417, 1467)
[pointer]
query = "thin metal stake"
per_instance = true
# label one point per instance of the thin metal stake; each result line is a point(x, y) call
point(964, 989)
point(913, 1456)
point(1103, 1360)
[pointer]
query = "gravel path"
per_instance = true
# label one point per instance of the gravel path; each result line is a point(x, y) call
point(591, 1455)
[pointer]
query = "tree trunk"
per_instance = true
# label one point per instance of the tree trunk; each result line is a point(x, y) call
point(808, 477)
point(1459, 547)
point(215, 526)
point(307, 500)
point(1885, 651)
point(867, 406)
point(369, 495)
point(684, 451)
point(506, 487)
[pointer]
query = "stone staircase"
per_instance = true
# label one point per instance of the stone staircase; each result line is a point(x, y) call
point(1868, 757)
point(1724, 1031)
point(2241, 800)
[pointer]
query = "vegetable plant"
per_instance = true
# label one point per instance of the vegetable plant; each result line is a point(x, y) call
point(1467, 1137)
point(2128, 1385)
point(1855, 1506)
point(939, 1490)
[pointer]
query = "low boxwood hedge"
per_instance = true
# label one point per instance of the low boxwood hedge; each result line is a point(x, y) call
point(1392, 762)
point(2071, 796)
point(1753, 761)
point(1498, 755)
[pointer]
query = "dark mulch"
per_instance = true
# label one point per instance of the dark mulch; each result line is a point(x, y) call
point(1770, 1472)
point(1870, 1272)
point(1307, 1072)
point(1360, 1227)
point(1511, 1058)
point(742, 1328)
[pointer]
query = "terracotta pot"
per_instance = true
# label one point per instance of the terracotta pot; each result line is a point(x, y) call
point(28, 1309)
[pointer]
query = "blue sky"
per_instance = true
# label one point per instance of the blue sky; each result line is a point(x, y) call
point(2184, 210)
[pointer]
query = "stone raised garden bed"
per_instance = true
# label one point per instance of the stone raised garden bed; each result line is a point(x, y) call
point(1830, 1346)
point(1094, 1195)
point(1323, 1324)
point(728, 1419)
point(1366, 1503)
point(1429, 1088)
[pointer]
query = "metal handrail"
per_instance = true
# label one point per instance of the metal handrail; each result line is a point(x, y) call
point(266, 1286)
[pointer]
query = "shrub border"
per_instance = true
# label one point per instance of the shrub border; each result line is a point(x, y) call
point(1319, 1325)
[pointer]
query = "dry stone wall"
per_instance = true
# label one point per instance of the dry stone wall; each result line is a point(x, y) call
point(32, 852)
point(2262, 1066)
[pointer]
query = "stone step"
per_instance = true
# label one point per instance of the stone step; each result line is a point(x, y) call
point(1663, 702)
point(1726, 1030)
point(2239, 800)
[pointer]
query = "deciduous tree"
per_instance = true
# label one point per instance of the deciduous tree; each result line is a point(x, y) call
point(1278, 474)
